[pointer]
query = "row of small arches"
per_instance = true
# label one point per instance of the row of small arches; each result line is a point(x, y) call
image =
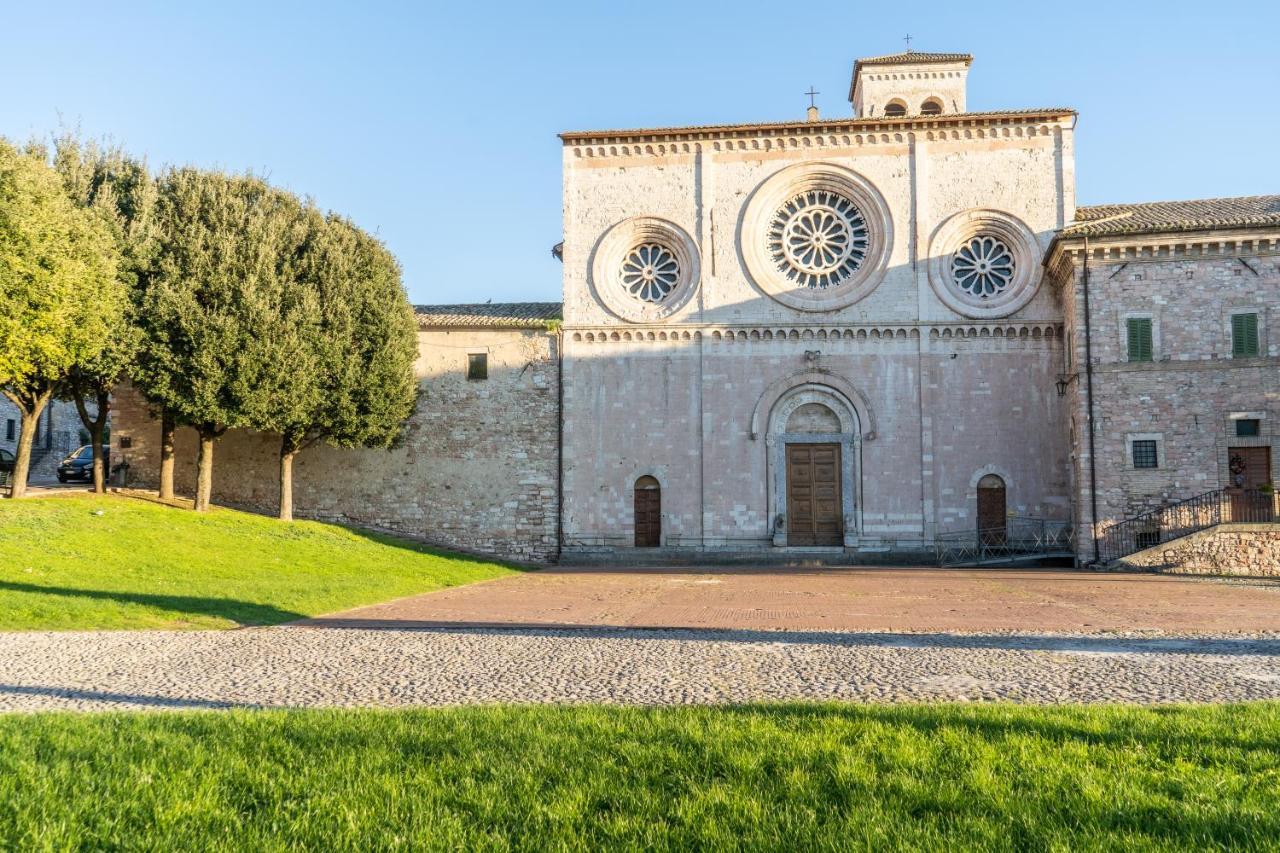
point(915, 75)
point(898, 333)
point(832, 140)
point(591, 337)
point(812, 335)
point(1034, 332)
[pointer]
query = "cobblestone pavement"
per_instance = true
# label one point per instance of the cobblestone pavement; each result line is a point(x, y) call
point(296, 666)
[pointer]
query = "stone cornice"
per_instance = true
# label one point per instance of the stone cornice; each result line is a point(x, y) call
point(1156, 248)
point(1190, 365)
point(850, 131)
point(800, 333)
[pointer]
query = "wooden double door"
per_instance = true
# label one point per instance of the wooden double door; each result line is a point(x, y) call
point(814, 501)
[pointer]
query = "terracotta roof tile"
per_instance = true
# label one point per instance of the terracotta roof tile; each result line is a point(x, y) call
point(511, 315)
point(1104, 220)
point(826, 125)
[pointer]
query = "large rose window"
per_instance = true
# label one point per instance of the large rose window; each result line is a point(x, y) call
point(818, 239)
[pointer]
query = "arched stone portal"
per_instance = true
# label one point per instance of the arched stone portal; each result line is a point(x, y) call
point(814, 447)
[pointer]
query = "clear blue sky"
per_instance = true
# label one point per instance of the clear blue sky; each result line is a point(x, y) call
point(435, 124)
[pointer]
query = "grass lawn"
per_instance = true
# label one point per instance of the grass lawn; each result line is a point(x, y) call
point(79, 561)
point(756, 777)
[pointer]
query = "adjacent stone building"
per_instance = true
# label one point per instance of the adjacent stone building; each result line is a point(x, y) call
point(1168, 309)
point(59, 431)
point(847, 339)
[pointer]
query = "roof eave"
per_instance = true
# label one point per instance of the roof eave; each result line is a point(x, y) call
point(569, 137)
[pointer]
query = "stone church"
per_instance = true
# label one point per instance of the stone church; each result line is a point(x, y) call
point(851, 338)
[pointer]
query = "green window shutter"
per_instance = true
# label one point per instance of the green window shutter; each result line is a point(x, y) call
point(1141, 346)
point(1244, 335)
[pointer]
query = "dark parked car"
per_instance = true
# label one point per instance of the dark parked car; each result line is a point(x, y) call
point(79, 464)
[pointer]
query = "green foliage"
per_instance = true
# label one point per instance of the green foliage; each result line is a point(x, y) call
point(119, 188)
point(59, 288)
point(210, 302)
point(146, 565)
point(758, 777)
point(366, 342)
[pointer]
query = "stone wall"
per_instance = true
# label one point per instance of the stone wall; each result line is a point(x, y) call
point(1249, 550)
point(1190, 396)
point(476, 468)
point(61, 431)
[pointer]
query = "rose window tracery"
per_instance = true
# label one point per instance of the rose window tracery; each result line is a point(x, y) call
point(818, 239)
point(650, 272)
point(983, 267)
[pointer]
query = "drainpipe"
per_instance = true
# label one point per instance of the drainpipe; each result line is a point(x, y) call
point(1088, 384)
point(559, 443)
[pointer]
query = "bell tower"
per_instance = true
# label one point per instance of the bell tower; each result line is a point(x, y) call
point(909, 84)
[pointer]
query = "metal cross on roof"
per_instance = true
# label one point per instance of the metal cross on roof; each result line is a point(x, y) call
point(811, 93)
point(908, 41)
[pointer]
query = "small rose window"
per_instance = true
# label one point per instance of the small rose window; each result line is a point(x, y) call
point(650, 272)
point(983, 267)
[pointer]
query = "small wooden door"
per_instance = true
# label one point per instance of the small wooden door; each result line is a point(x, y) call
point(648, 511)
point(992, 519)
point(814, 511)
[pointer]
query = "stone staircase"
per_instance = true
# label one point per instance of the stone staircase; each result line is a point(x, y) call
point(1149, 530)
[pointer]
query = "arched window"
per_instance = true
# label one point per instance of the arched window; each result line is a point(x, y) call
point(648, 512)
point(992, 521)
point(931, 107)
point(895, 109)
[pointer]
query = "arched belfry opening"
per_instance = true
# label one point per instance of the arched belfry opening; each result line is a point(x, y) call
point(648, 512)
point(814, 446)
point(992, 513)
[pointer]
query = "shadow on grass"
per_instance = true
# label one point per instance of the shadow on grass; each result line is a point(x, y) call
point(1146, 726)
point(240, 612)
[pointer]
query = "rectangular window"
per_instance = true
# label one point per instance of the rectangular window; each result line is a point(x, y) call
point(1244, 335)
point(478, 366)
point(1248, 427)
point(9, 427)
point(1144, 453)
point(1140, 341)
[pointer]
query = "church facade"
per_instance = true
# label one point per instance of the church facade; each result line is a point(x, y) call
point(853, 337)
point(822, 334)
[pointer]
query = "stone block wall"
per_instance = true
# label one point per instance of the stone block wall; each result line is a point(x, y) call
point(1189, 397)
point(61, 431)
point(1245, 550)
point(476, 468)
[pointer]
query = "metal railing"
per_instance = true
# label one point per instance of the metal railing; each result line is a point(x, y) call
point(1221, 506)
point(1021, 537)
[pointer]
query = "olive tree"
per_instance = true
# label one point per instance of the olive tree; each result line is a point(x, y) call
point(58, 288)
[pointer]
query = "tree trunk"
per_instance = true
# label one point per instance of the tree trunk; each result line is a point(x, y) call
point(96, 427)
point(26, 440)
point(204, 472)
point(288, 450)
point(167, 429)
